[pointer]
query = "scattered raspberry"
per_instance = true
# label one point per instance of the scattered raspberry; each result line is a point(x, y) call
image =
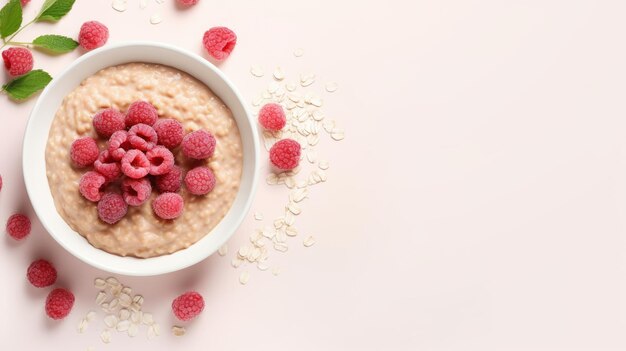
point(169, 131)
point(168, 205)
point(142, 137)
point(17, 61)
point(219, 42)
point(107, 166)
point(141, 112)
point(198, 145)
point(285, 154)
point(91, 186)
point(18, 226)
point(161, 160)
point(136, 191)
point(200, 180)
point(112, 208)
point(24, 2)
point(135, 164)
point(171, 181)
point(93, 34)
point(41, 273)
point(84, 151)
point(188, 305)
point(272, 117)
point(118, 144)
point(108, 121)
point(59, 303)
point(185, 3)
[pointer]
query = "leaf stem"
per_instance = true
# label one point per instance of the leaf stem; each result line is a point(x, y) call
point(7, 41)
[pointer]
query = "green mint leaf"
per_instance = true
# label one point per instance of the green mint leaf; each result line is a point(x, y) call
point(56, 44)
point(54, 10)
point(27, 85)
point(10, 18)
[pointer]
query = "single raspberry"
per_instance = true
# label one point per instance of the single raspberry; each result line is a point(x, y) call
point(112, 208)
point(161, 160)
point(272, 117)
point(188, 305)
point(168, 205)
point(135, 164)
point(142, 137)
point(136, 191)
point(219, 42)
point(91, 186)
point(184, 3)
point(200, 180)
point(24, 2)
point(18, 226)
point(107, 166)
point(108, 121)
point(0, 182)
point(84, 151)
point(171, 181)
point(169, 131)
point(141, 112)
point(198, 145)
point(285, 154)
point(59, 303)
point(93, 34)
point(119, 144)
point(17, 61)
point(41, 273)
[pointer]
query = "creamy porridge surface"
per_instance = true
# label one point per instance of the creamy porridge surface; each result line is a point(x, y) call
point(176, 95)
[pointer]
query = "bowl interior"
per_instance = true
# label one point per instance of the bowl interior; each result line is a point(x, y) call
point(36, 137)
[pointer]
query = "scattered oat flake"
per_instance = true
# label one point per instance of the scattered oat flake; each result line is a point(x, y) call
point(119, 5)
point(105, 336)
point(258, 216)
point(155, 19)
point(143, 4)
point(133, 330)
point(276, 271)
point(223, 250)
point(290, 87)
point(337, 134)
point(244, 277)
point(291, 231)
point(82, 325)
point(299, 52)
point(99, 283)
point(279, 74)
point(178, 331)
point(323, 164)
point(236, 262)
point(110, 321)
point(262, 266)
point(331, 87)
point(281, 247)
point(257, 71)
point(308, 242)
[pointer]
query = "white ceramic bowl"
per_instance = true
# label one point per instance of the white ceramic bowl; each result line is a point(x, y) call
point(36, 137)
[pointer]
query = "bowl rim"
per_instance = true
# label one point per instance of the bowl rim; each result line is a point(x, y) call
point(163, 269)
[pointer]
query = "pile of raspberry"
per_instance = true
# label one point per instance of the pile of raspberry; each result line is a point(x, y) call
point(140, 156)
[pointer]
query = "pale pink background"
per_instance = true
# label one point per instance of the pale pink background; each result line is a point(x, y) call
point(477, 203)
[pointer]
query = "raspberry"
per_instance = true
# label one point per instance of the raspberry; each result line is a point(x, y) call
point(219, 42)
point(200, 180)
point(17, 61)
point(136, 191)
point(272, 117)
point(24, 2)
point(59, 303)
point(161, 160)
point(171, 181)
point(142, 137)
point(91, 186)
point(108, 121)
point(188, 305)
point(187, 3)
point(18, 226)
point(118, 144)
point(135, 164)
point(198, 145)
point(169, 131)
point(107, 166)
point(93, 34)
point(168, 205)
point(285, 154)
point(84, 151)
point(141, 112)
point(0, 182)
point(41, 273)
point(112, 208)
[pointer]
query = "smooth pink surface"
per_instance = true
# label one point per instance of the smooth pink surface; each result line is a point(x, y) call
point(477, 203)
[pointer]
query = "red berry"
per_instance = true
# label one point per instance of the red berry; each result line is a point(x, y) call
point(41, 273)
point(118, 144)
point(112, 208)
point(84, 151)
point(169, 131)
point(142, 137)
point(198, 145)
point(171, 181)
point(141, 112)
point(135, 164)
point(59, 303)
point(200, 180)
point(168, 205)
point(219, 42)
point(136, 191)
point(161, 160)
point(24, 2)
point(0, 182)
point(187, 2)
point(285, 154)
point(18, 226)
point(188, 305)
point(93, 34)
point(272, 117)
point(91, 186)
point(107, 166)
point(17, 61)
point(108, 121)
